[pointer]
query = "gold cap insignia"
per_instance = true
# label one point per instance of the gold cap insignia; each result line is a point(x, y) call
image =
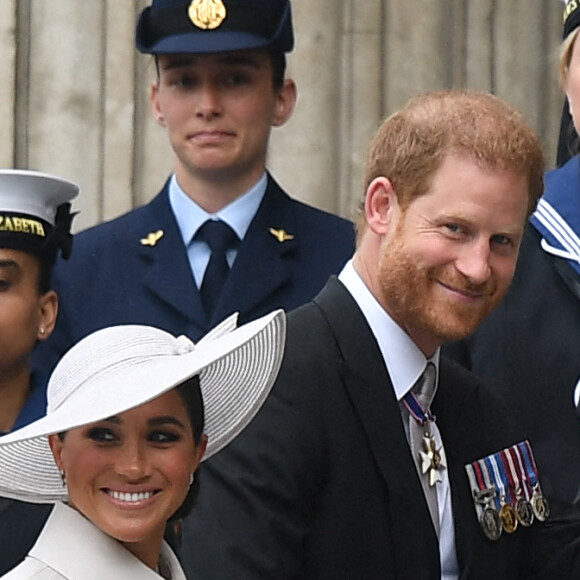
point(207, 14)
point(281, 235)
point(152, 238)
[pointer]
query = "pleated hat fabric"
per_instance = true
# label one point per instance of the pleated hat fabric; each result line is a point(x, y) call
point(121, 367)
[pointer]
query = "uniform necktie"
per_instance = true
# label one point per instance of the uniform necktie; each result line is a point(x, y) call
point(427, 458)
point(220, 238)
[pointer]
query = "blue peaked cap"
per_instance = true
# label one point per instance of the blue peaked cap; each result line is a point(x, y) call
point(206, 26)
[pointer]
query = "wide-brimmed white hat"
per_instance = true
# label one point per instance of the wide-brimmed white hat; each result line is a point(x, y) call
point(121, 367)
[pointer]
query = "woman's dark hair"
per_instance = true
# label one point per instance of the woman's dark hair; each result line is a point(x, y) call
point(46, 261)
point(191, 394)
point(278, 60)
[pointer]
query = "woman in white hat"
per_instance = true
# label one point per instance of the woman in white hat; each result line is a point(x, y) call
point(132, 411)
point(35, 221)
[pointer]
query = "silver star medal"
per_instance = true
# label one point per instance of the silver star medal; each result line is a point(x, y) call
point(432, 459)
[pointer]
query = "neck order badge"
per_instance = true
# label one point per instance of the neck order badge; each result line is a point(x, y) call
point(431, 459)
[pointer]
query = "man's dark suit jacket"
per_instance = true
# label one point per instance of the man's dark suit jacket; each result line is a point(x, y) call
point(112, 278)
point(322, 485)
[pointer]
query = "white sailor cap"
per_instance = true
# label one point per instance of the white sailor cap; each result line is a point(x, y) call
point(35, 212)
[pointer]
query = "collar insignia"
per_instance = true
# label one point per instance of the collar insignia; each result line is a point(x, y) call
point(207, 14)
point(281, 235)
point(152, 238)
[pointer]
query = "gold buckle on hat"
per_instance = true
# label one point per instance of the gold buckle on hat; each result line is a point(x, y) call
point(207, 14)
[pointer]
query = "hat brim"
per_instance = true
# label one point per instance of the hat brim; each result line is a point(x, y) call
point(33, 193)
point(206, 43)
point(237, 370)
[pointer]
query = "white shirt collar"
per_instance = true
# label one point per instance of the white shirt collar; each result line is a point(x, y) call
point(404, 360)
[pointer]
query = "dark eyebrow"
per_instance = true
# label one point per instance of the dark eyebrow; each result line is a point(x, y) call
point(165, 420)
point(114, 419)
point(9, 264)
point(153, 422)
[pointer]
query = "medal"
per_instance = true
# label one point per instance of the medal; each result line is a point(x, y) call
point(524, 512)
point(508, 517)
point(506, 490)
point(491, 523)
point(517, 478)
point(432, 459)
point(489, 518)
point(507, 513)
point(484, 496)
point(540, 505)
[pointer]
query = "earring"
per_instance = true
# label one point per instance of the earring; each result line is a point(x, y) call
point(191, 479)
point(41, 331)
point(63, 477)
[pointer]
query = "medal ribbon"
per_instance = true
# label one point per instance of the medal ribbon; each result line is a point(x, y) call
point(531, 470)
point(517, 459)
point(531, 456)
point(494, 483)
point(509, 470)
point(479, 476)
point(416, 411)
point(472, 478)
point(501, 478)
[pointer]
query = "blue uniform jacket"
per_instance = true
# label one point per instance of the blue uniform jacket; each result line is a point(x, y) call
point(113, 278)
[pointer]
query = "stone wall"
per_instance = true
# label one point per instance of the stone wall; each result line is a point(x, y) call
point(74, 96)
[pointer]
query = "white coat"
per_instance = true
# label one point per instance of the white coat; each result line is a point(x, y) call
point(70, 547)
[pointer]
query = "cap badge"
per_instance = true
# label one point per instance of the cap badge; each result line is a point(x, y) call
point(152, 238)
point(281, 235)
point(207, 14)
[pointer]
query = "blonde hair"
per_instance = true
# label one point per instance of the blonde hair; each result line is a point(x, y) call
point(566, 55)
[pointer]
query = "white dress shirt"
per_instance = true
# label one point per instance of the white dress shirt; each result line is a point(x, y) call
point(405, 362)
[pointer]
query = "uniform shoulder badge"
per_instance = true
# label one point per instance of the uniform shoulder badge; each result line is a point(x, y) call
point(152, 238)
point(281, 235)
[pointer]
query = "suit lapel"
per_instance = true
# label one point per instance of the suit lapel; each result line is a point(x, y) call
point(177, 287)
point(260, 268)
point(371, 393)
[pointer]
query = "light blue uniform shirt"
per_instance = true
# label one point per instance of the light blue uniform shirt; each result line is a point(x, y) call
point(190, 217)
